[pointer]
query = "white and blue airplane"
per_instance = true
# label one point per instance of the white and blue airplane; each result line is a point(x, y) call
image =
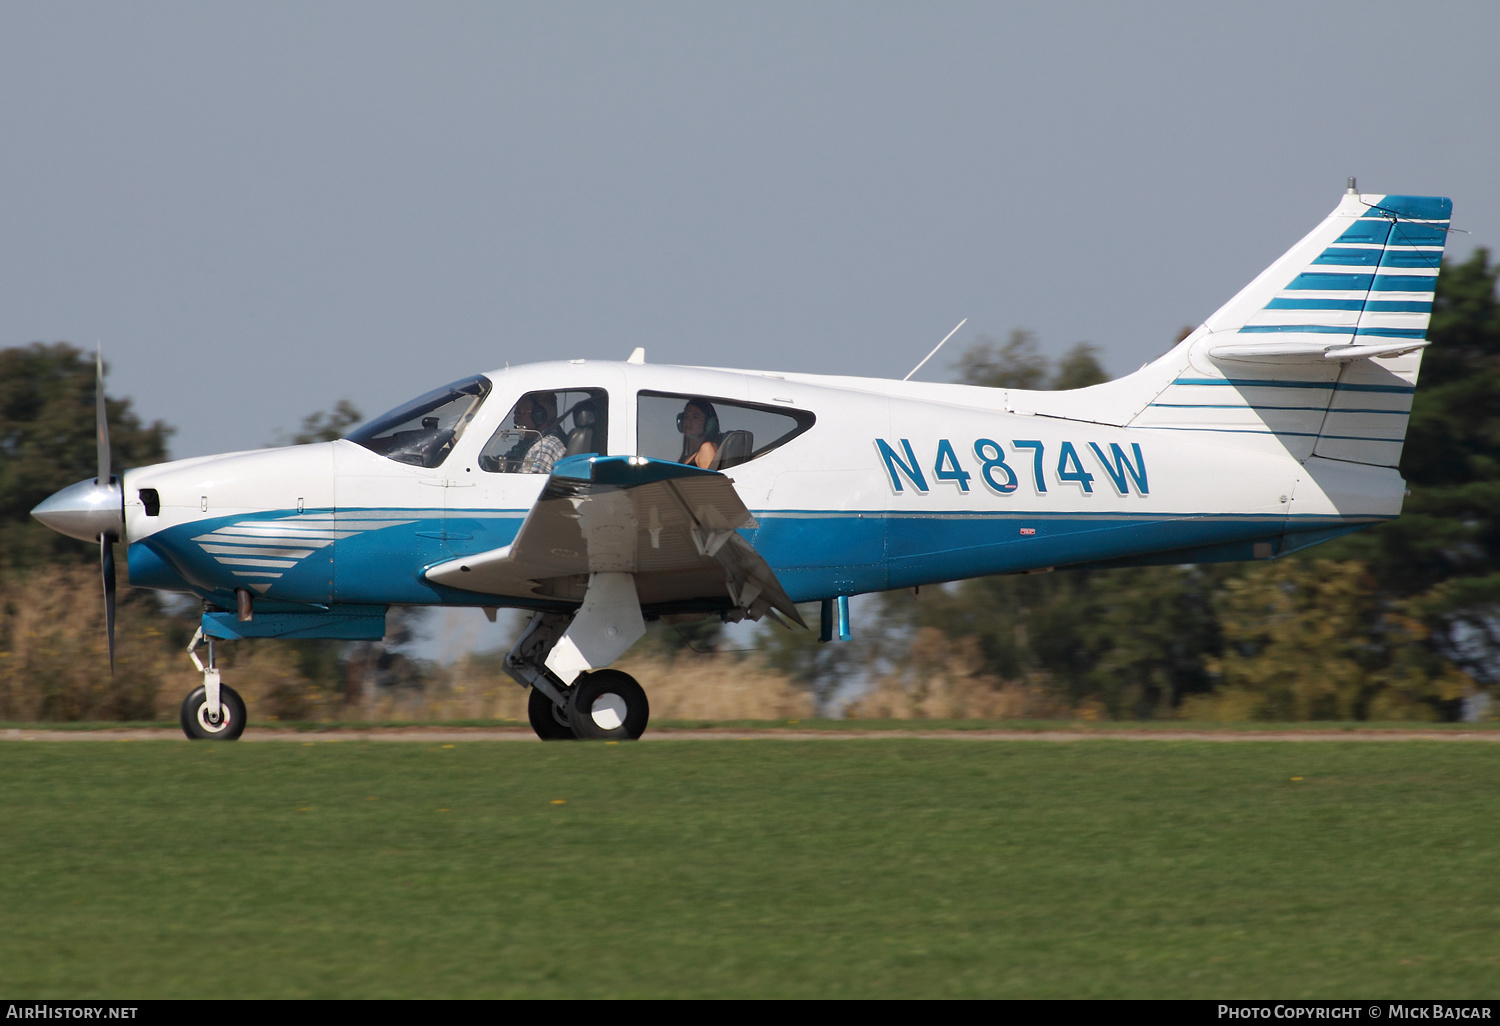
point(599, 496)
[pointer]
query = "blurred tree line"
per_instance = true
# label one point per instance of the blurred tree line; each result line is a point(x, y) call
point(1397, 622)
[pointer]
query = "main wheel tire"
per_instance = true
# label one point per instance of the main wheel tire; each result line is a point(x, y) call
point(195, 720)
point(547, 720)
point(608, 705)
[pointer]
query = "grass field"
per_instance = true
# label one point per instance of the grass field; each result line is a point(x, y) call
point(888, 867)
point(352, 728)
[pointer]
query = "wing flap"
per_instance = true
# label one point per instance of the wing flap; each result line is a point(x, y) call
point(674, 526)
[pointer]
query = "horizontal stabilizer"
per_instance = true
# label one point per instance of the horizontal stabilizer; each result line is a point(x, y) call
point(1315, 352)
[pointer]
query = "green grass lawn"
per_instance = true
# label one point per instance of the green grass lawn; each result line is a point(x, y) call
point(346, 868)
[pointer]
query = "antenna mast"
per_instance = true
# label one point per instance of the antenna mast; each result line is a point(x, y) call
point(935, 349)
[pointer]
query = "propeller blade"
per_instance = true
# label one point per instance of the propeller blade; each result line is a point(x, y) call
point(101, 418)
point(107, 569)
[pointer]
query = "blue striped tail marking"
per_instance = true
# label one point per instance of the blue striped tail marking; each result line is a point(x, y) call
point(1420, 208)
point(1373, 306)
point(1265, 383)
point(1315, 304)
point(1349, 257)
point(1370, 231)
point(1327, 282)
point(1324, 282)
point(1399, 306)
point(1404, 283)
point(1398, 257)
point(1257, 407)
point(1332, 329)
point(1407, 234)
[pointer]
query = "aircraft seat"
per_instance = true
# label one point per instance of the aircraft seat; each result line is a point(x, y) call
point(734, 448)
point(581, 438)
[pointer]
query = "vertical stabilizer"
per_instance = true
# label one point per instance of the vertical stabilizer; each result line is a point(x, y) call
point(1321, 350)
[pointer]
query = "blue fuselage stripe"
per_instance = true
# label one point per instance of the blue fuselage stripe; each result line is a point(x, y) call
point(814, 553)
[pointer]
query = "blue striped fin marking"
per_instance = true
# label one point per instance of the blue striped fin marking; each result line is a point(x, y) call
point(1397, 413)
point(1262, 383)
point(1373, 306)
point(1362, 282)
point(1422, 208)
point(1398, 257)
point(1404, 283)
point(1408, 234)
point(1315, 329)
point(1278, 434)
point(1332, 329)
point(1399, 306)
point(1413, 333)
point(1368, 230)
point(1325, 282)
point(1348, 256)
point(1316, 304)
point(1259, 406)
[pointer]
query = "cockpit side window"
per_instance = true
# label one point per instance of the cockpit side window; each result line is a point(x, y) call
point(711, 433)
point(544, 427)
point(424, 431)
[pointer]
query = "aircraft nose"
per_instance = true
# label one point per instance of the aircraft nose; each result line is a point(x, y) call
point(84, 510)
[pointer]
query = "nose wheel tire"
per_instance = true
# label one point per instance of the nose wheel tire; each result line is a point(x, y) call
point(199, 726)
point(607, 705)
point(549, 722)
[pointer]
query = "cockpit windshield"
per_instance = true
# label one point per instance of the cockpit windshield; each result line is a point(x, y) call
point(424, 431)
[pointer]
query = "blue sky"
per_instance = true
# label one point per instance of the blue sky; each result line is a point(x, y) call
point(260, 209)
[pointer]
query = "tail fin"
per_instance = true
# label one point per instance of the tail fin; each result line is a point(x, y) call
point(1322, 349)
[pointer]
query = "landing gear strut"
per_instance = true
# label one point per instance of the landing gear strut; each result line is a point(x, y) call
point(598, 705)
point(214, 711)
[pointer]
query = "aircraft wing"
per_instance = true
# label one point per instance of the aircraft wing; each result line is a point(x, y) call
point(675, 527)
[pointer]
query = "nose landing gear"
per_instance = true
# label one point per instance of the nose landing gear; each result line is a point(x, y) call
point(215, 711)
point(201, 725)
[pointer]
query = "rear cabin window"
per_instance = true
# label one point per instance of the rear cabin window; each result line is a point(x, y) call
point(712, 433)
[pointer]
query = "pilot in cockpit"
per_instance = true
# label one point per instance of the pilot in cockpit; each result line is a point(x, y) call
point(537, 411)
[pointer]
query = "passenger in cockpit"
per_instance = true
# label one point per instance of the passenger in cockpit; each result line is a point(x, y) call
point(537, 411)
point(699, 424)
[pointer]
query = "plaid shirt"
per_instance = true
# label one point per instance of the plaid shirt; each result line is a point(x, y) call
point(543, 453)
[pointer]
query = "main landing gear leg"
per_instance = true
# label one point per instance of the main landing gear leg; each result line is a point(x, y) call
point(547, 708)
point(562, 657)
point(214, 711)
